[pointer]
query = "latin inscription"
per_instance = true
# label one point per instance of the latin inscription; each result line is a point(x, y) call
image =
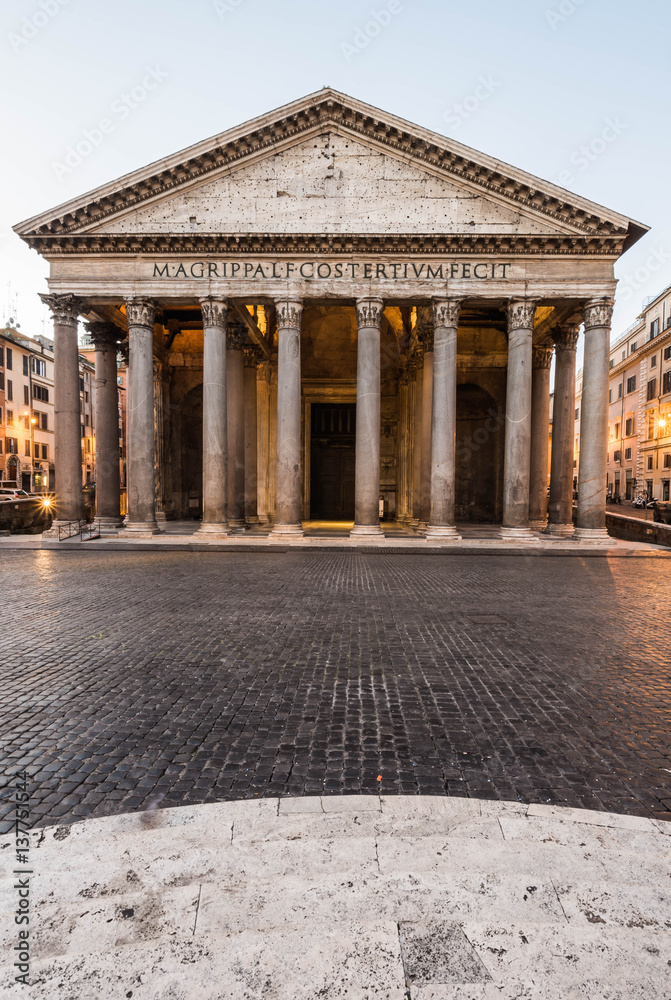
point(310, 270)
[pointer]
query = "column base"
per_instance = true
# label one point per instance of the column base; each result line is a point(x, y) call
point(140, 529)
point(253, 519)
point(237, 525)
point(592, 536)
point(284, 531)
point(442, 533)
point(522, 535)
point(560, 530)
point(213, 529)
point(366, 530)
point(538, 525)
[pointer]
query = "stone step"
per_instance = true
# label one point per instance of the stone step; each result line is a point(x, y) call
point(431, 958)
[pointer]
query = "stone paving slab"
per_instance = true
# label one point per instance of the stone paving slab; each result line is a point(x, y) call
point(154, 679)
point(282, 917)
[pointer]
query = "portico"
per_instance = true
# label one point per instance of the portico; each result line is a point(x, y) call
point(328, 287)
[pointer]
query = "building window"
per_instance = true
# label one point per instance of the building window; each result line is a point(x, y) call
point(654, 328)
point(26, 395)
point(40, 392)
point(667, 461)
point(44, 422)
point(2, 381)
point(86, 419)
point(610, 395)
point(81, 385)
point(627, 454)
point(629, 427)
point(617, 430)
point(651, 389)
point(83, 430)
point(36, 451)
point(11, 446)
point(577, 412)
point(39, 367)
point(26, 369)
point(649, 461)
point(45, 451)
point(612, 362)
point(27, 448)
point(666, 382)
point(633, 347)
point(667, 351)
point(653, 361)
point(2, 357)
point(86, 397)
point(624, 354)
point(10, 358)
point(631, 384)
point(10, 418)
point(10, 389)
point(616, 456)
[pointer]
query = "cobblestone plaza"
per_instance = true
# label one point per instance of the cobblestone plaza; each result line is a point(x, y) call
point(160, 679)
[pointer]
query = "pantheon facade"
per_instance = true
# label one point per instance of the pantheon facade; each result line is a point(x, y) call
point(332, 314)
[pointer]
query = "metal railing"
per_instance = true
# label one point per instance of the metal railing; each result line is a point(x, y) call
point(90, 531)
point(69, 529)
point(85, 530)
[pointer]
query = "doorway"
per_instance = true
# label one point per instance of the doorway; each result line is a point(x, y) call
point(332, 451)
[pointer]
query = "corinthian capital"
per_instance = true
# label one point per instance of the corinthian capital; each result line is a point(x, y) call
point(104, 335)
point(369, 313)
point(566, 336)
point(65, 309)
point(542, 356)
point(521, 314)
point(446, 312)
point(289, 313)
point(236, 335)
point(214, 312)
point(598, 312)
point(140, 312)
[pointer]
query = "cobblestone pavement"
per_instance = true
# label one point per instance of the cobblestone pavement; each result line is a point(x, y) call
point(154, 679)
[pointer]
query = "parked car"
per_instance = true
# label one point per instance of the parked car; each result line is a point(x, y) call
point(12, 493)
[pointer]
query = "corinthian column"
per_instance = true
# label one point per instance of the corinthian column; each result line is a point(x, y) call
point(263, 428)
point(215, 419)
point(108, 480)
point(251, 437)
point(367, 457)
point(235, 378)
point(540, 437)
point(141, 519)
point(517, 452)
point(65, 310)
point(288, 511)
point(444, 421)
point(591, 526)
point(560, 520)
point(425, 336)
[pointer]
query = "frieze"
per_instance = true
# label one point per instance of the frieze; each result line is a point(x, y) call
point(321, 270)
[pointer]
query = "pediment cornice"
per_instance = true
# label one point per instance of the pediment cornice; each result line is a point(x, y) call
point(323, 110)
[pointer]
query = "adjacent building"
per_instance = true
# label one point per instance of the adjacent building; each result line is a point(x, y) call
point(639, 406)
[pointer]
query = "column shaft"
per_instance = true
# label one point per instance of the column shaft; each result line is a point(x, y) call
point(141, 518)
point(67, 418)
point(425, 459)
point(560, 511)
point(263, 456)
point(108, 478)
point(215, 419)
point(516, 465)
point(288, 519)
point(235, 387)
point(591, 524)
point(367, 457)
point(251, 438)
point(416, 469)
point(540, 437)
point(444, 421)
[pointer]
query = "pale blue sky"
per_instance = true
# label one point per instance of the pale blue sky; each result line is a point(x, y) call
point(555, 81)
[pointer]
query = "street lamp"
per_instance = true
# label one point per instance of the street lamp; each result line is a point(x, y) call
point(32, 422)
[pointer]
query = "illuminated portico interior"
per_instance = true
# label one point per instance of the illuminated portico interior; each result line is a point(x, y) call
point(331, 312)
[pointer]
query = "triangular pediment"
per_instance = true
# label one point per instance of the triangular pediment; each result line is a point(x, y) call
point(328, 164)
